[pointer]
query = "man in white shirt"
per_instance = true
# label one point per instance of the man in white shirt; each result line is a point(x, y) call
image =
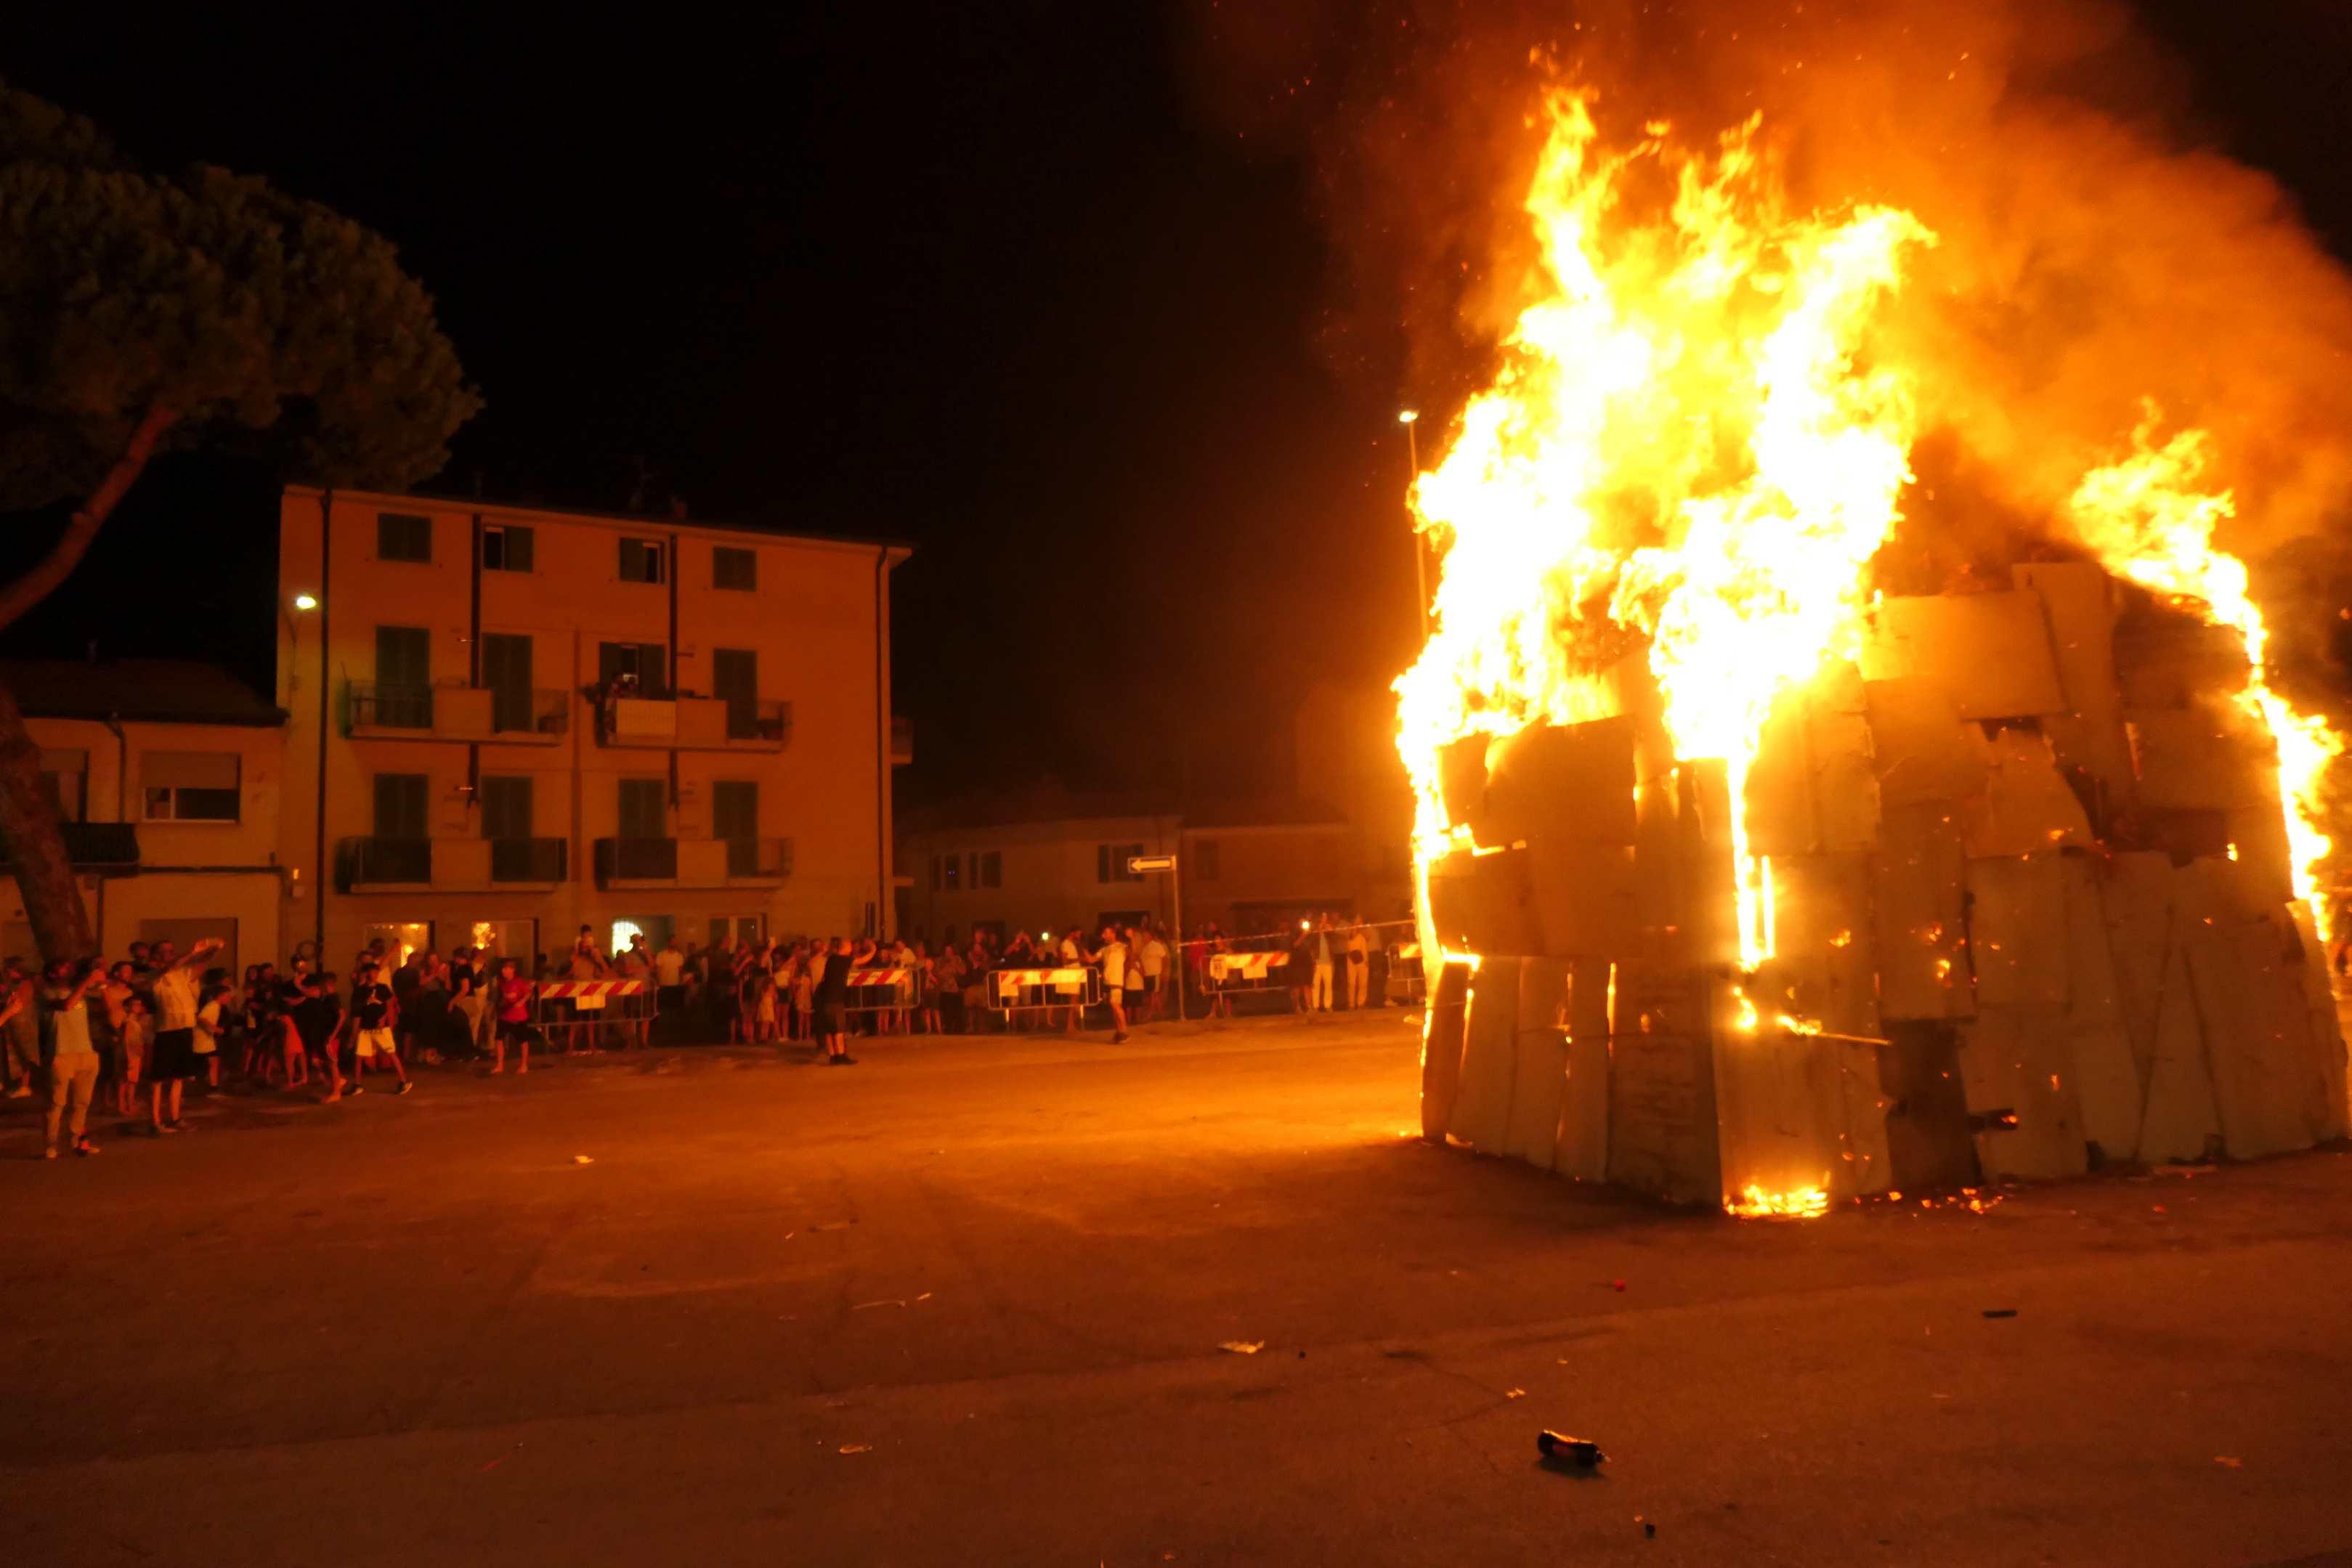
point(669, 983)
point(1113, 954)
point(1155, 973)
point(1321, 1000)
point(171, 1059)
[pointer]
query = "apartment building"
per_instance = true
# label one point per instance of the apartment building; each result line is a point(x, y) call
point(1052, 861)
point(166, 776)
point(510, 721)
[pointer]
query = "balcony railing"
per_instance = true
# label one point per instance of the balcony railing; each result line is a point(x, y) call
point(385, 705)
point(538, 712)
point(759, 721)
point(692, 862)
point(384, 862)
point(528, 860)
point(512, 715)
point(620, 861)
point(695, 723)
point(759, 860)
point(102, 847)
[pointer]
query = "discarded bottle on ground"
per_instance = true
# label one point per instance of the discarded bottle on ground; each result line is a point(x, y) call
point(1574, 1450)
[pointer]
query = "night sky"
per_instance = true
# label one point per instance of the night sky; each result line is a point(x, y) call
point(991, 280)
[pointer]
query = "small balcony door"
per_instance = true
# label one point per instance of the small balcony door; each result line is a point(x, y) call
point(401, 851)
point(404, 677)
point(735, 680)
point(506, 670)
point(735, 818)
point(644, 808)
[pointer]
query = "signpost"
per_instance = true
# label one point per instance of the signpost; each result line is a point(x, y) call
point(1140, 864)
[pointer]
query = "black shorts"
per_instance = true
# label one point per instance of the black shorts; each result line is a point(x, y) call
point(173, 1055)
point(1151, 985)
point(834, 1017)
point(516, 1032)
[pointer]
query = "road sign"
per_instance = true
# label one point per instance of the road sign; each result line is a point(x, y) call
point(1151, 862)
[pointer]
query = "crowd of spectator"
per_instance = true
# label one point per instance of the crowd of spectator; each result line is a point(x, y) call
point(133, 1035)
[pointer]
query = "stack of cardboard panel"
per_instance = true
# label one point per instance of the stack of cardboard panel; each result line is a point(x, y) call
point(2030, 903)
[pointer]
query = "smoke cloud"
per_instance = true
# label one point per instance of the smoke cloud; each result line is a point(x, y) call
point(2091, 258)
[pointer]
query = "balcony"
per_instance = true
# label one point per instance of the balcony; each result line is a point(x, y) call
point(450, 865)
point(689, 723)
point(109, 848)
point(692, 862)
point(510, 715)
point(902, 741)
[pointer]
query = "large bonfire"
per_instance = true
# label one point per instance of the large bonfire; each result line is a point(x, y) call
point(1696, 441)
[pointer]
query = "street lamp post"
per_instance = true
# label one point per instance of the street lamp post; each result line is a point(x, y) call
point(1409, 418)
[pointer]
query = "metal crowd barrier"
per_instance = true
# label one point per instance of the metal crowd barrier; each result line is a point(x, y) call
point(624, 1005)
point(1014, 991)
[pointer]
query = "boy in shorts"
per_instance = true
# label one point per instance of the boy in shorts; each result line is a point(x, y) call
point(374, 1012)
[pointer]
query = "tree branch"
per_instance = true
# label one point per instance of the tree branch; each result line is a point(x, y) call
point(54, 568)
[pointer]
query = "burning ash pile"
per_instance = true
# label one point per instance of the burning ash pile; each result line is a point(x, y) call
point(1851, 752)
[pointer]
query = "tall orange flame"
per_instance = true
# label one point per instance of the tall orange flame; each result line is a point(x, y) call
point(1684, 443)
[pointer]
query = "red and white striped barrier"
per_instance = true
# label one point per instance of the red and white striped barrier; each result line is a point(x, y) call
point(1245, 966)
point(880, 977)
point(1008, 983)
point(592, 990)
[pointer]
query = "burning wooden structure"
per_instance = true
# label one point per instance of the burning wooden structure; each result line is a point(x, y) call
point(2031, 902)
point(1755, 883)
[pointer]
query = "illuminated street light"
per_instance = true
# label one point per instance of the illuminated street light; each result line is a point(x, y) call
point(1408, 416)
point(306, 602)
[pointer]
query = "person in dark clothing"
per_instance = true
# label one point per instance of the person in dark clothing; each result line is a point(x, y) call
point(318, 1017)
point(833, 1002)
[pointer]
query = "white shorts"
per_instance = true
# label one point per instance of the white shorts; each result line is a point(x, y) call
point(374, 1042)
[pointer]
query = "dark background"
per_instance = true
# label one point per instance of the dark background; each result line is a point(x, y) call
point(981, 279)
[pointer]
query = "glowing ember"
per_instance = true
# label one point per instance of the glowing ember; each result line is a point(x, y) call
point(1798, 1203)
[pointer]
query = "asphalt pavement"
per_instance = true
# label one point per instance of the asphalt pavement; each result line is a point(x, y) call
point(984, 1300)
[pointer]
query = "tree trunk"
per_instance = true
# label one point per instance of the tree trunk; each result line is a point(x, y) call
point(29, 826)
point(28, 818)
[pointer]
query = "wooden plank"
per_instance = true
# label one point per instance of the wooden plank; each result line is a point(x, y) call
point(2206, 758)
point(1991, 653)
point(2257, 1038)
point(1918, 936)
point(2013, 1063)
point(1827, 950)
point(1662, 1109)
point(1482, 904)
point(2080, 600)
point(1441, 1049)
point(1570, 782)
point(1776, 1105)
point(1582, 897)
point(1481, 1112)
point(1581, 1143)
point(2017, 932)
point(1864, 1166)
point(2106, 1076)
point(2180, 1123)
point(2136, 903)
point(2025, 807)
point(1921, 751)
point(2326, 1027)
point(1539, 1054)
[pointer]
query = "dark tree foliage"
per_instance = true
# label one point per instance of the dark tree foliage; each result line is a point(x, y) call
point(141, 309)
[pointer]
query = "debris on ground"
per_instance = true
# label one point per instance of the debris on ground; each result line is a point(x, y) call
point(1583, 1452)
point(2228, 1463)
point(892, 1301)
point(1515, 1393)
point(2001, 1311)
point(581, 1160)
point(1241, 1346)
point(857, 1448)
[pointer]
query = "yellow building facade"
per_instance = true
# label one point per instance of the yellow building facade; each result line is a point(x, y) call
point(506, 722)
point(167, 777)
